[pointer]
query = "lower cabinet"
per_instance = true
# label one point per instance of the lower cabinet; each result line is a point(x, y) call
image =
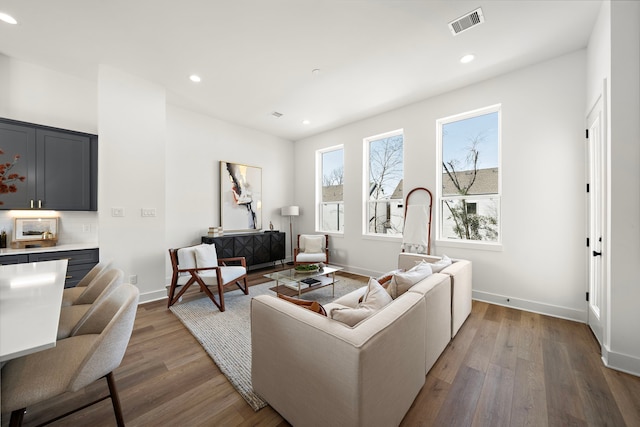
point(257, 248)
point(80, 262)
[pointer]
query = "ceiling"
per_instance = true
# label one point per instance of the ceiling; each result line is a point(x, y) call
point(257, 56)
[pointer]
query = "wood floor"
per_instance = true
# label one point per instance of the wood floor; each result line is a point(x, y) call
point(504, 368)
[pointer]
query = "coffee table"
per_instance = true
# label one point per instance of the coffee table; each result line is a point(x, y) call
point(291, 282)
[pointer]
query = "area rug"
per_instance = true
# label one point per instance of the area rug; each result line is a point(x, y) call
point(226, 336)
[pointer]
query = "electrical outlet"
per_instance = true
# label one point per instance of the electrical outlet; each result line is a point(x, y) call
point(86, 228)
point(117, 211)
point(133, 279)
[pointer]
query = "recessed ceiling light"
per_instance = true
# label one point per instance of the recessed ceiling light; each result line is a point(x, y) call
point(467, 58)
point(7, 18)
point(306, 122)
point(195, 78)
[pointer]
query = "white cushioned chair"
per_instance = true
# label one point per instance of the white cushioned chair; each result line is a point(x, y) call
point(200, 264)
point(312, 249)
point(93, 352)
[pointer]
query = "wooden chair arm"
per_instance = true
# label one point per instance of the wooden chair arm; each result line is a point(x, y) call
point(196, 270)
point(243, 261)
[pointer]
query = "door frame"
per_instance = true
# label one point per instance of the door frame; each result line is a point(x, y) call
point(598, 244)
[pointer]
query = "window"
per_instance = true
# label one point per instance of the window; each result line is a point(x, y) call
point(384, 169)
point(331, 179)
point(470, 176)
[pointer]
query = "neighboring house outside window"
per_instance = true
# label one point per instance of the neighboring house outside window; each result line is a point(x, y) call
point(383, 177)
point(331, 185)
point(469, 190)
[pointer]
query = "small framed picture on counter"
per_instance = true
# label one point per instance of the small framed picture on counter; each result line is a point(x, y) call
point(35, 229)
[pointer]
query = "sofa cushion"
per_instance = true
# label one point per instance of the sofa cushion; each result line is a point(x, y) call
point(206, 256)
point(438, 266)
point(374, 299)
point(402, 281)
point(314, 306)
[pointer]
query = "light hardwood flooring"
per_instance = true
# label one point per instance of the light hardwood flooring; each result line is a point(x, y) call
point(504, 368)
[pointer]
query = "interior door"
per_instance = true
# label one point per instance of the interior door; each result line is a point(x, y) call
point(596, 167)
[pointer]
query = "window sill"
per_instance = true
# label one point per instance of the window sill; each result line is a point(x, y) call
point(481, 246)
point(382, 237)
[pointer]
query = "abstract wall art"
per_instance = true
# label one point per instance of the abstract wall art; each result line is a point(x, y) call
point(240, 197)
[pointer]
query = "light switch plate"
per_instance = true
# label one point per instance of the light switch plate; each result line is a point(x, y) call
point(148, 212)
point(117, 211)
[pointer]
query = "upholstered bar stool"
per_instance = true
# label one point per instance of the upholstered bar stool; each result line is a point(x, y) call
point(69, 295)
point(101, 287)
point(93, 352)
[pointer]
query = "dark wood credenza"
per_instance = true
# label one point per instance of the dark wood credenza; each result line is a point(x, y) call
point(257, 248)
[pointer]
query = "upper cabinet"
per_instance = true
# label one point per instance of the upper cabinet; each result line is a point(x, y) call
point(47, 168)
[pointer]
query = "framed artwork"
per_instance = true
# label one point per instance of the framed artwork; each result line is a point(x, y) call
point(35, 229)
point(240, 197)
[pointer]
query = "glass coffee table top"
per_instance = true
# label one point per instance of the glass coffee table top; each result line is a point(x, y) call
point(291, 282)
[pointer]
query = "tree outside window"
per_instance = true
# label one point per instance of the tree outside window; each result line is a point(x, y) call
point(384, 194)
point(331, 190)
point(470, 192)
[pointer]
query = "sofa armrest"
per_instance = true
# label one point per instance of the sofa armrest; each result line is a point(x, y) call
point(314, 370)
point(461, 292)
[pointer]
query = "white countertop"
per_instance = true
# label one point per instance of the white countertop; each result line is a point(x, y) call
point(57, 248)
point(30, 300)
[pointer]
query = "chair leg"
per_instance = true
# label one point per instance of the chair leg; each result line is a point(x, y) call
point(244, 289)
point(115, 400)
point(221, 295)
point(16, 417)
point(205, 289)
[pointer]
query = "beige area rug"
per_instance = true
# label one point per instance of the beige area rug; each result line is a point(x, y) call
point(226, 336)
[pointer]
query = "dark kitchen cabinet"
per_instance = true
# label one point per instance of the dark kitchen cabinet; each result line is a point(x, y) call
point(56, 169)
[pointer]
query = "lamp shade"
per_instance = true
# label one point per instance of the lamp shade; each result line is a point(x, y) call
point(290, 211)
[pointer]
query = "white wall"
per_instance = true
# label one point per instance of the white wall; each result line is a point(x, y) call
point(196, 145)
point(624, 244)
point(541, 266)
point(132, 147)
point(35, 94)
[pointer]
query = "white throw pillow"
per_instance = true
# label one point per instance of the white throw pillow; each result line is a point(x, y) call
point(374, 299)
point(402, 281)
point(313, 244)
point(206, 256)
point(187, 258)
point(445, 262)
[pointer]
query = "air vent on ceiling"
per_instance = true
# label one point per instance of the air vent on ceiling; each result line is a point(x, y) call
point(467, 21)
point(276, 114)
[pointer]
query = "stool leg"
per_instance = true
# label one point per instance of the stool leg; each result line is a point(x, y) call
point(115, 400)
point(17, 417)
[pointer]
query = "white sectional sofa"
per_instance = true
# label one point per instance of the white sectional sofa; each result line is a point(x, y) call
point(460, 272)
point(316, 371)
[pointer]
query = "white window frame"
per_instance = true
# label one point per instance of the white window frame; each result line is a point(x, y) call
point(463, 243)
point(365, 185)
point(319, 185)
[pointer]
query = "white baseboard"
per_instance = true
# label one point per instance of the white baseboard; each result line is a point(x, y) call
point(152, 296)
point(621, 362)
point(532, 306)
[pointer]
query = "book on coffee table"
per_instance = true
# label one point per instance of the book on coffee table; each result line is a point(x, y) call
point(310, 281)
